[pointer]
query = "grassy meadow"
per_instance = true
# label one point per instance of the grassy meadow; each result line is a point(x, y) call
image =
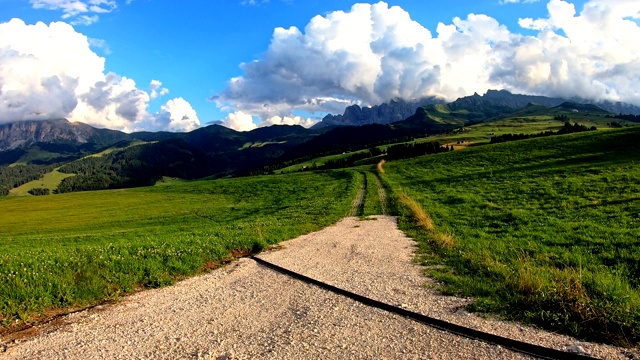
point(524, 124)
point(318, 161)
point(71, 250)
point(49, 181)
point(544, 230)
point(372, 202)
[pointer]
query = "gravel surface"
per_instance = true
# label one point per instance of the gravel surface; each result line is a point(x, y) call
point(245, 311)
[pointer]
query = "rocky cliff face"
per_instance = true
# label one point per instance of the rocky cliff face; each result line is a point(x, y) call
point(516, 101)
point(386, 113)
point(25, 133)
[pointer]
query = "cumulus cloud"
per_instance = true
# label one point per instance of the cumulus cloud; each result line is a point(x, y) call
point(100, 44)
point(288, 120)
point(374, 53)
point(176, 115)
point(78, 12)
point(157, 90)
point(239, 121)
point(49, 72)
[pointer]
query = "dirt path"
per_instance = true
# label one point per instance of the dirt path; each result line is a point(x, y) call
point(245, 311)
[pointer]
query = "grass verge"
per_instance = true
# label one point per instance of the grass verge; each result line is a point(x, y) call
point(543, 231)
point(72, 250)
point(372, 203)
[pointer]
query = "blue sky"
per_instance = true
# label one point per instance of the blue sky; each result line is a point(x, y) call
point(194, 48)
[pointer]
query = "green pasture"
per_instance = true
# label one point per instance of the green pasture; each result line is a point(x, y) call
point(372, 202)
point(49, 181)
point(318, 161)
point(75, 249)
point(35, 154)
point(115, 148)
point(531, 124)
point(544, 230)
point(260, 144)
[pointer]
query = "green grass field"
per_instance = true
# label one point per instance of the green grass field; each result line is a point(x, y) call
point(544, 230)
point(112, 149)
point(482, 132)
point(50, 181)
point(260, 144)
point(75, 249)
point(318, 161)
point(372, 201)
point(35, 154)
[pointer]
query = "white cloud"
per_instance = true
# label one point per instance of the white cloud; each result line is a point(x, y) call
point(79, 12)
point(374, 53)
point(177, 115)
point(49, 72)
point(155, 86)
point(288, 120)
point(85, 20)
point(239, 121)
point(100, 44)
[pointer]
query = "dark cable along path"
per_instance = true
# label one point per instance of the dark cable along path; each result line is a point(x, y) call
point(514, 345)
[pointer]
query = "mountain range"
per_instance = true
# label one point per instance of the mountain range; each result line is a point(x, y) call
point(386, 113)
point(103, 158)
point(397, 110)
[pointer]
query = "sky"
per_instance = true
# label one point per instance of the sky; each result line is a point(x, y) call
point(154, 65)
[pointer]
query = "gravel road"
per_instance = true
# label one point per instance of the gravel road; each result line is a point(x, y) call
point(245, 311)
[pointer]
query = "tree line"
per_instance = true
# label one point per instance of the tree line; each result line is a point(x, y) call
point(406, 151)
point(350, 160)
point(14, 176)
point(39, 191)
point(135, 166)
point(628, 117)
point(566, 129)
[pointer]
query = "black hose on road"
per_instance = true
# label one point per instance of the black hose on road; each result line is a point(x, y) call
point(514, 345)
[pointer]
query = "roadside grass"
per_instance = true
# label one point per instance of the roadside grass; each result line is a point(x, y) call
point(72, 250)
point(372, 204)
point(49, 181)
point(357, 204)
point(545, 231)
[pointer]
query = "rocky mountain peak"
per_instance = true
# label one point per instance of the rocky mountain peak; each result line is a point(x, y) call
point(386, 113)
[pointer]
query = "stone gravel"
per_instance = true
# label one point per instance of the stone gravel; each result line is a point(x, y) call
point(246, 311)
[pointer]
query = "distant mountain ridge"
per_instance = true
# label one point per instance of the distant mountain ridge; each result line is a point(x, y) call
point(398, 110)
point(216, 138)
point(105, 159)
point(26, 133)
point(386, 113)
point(517, 101)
